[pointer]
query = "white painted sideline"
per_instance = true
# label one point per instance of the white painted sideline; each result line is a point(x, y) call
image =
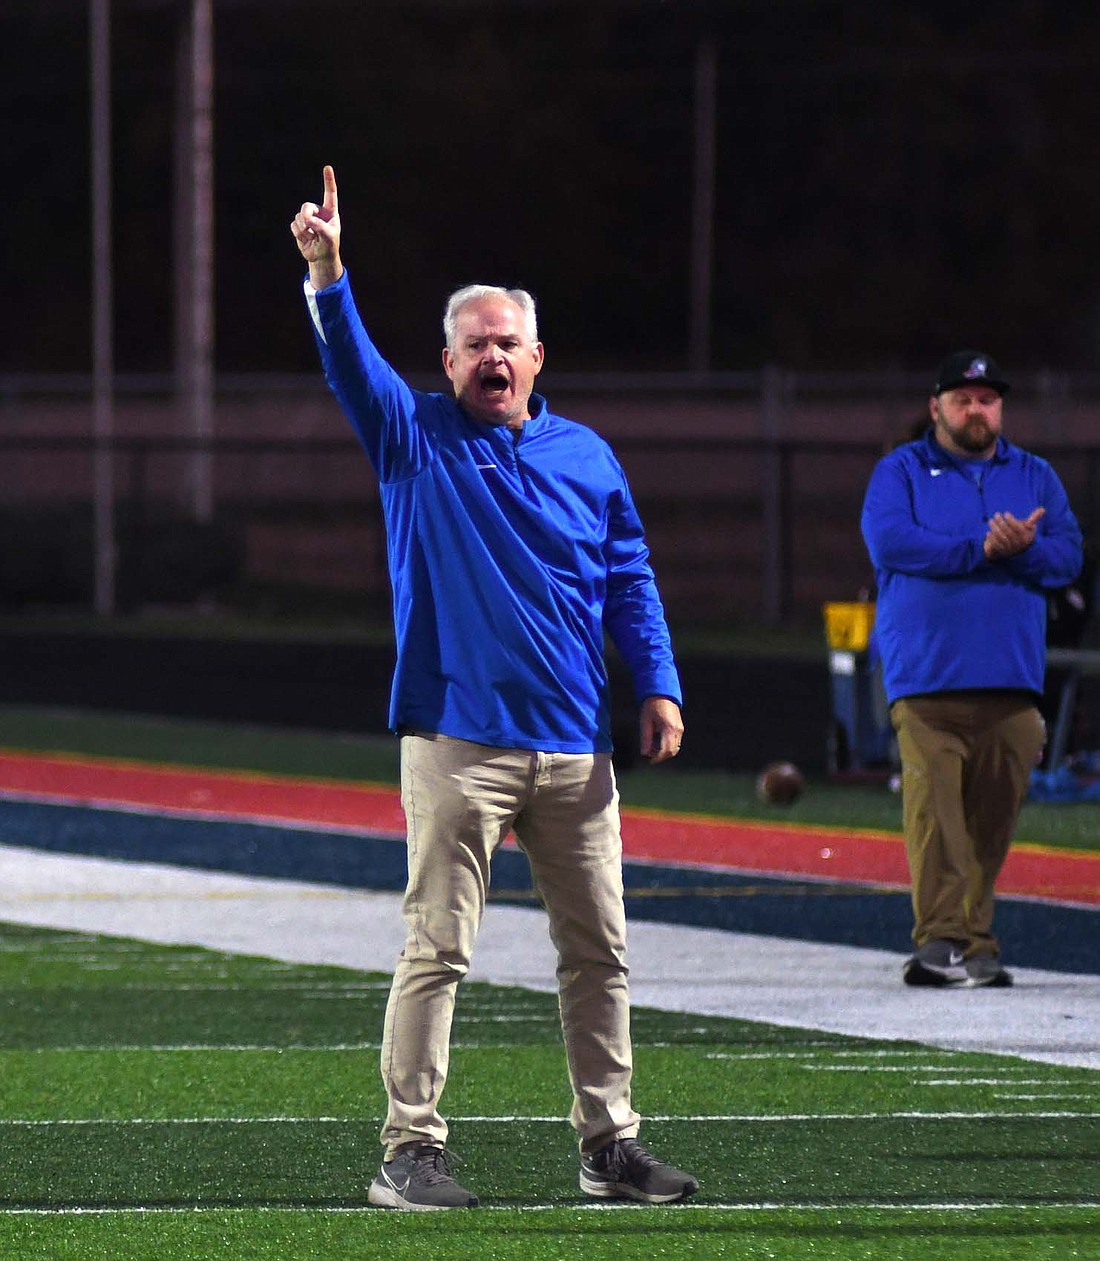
point(1048, 1016)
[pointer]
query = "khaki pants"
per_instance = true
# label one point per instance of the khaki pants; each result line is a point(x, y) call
point(966, 759)
point(460, 801)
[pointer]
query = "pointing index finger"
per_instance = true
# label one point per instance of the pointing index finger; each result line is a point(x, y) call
point(329, 176)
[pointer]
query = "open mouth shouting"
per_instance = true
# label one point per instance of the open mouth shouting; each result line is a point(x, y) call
point(494, 384)
point(492, 363)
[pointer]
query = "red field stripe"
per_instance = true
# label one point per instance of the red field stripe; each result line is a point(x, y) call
point(654, 836)
point(110, 781)
point(789, 849)
point(862, 856)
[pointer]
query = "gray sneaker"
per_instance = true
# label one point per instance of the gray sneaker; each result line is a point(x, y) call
point(937, 962)
point(419, 1178)
point(987, 970)
point(625, 1170)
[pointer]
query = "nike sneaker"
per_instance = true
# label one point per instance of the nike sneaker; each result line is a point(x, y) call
point(937, 963)
point(987, 970)
point(419, 1178)
point(623, 1169)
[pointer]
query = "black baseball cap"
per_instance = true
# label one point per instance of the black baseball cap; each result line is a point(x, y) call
point(969, 367)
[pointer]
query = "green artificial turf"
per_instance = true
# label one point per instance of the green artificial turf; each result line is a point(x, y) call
point(687, 1234)
point(225, 746)
point(181, 1103)
point(231, 1107)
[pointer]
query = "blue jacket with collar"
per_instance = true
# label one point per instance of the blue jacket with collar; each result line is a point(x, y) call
point(510, 554)
point(947, 618)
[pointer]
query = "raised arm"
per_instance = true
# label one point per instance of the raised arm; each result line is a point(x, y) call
point(317, 231)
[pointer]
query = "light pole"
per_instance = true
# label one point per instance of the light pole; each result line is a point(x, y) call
point(103, 348)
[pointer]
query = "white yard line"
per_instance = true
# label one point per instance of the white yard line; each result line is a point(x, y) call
point(723, 1118)
point(908, 1208)
point(1049, 1016)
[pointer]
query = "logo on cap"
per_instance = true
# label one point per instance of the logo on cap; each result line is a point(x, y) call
point(978, 368)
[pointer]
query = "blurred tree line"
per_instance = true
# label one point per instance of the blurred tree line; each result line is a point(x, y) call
point(893, 180)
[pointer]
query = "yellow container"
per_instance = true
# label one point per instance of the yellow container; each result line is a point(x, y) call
point(848, 624)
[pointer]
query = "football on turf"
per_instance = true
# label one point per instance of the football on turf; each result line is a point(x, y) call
point(780, 783)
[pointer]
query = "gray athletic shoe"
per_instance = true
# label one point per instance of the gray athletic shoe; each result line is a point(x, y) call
point(625, 1170)
point(987, 970)
point(937, 963)
point(419, 1178)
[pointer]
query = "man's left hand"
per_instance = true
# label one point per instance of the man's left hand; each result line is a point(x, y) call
point(662, 728)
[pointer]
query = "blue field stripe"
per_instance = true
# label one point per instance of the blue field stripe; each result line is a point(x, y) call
point(1036, 934)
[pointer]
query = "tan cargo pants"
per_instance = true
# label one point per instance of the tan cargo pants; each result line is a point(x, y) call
point(460, 801)
point(966, 759)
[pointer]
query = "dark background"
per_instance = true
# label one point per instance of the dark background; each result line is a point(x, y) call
point(894, 179)
point(321, 685)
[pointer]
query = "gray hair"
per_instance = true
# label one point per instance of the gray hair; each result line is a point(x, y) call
point(474, 293)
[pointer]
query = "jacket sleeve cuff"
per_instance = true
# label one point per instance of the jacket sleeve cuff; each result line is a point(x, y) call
point(312, 295)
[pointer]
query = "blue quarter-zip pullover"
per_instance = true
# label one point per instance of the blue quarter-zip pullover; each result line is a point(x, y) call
point(947, 618)
point(510, 554)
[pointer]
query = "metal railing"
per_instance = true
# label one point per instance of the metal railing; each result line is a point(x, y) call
point(747, 529)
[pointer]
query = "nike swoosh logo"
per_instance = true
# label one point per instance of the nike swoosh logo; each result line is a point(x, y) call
point(399, 1187)
point(935, 472)
point(484, 466)
point(955, 958)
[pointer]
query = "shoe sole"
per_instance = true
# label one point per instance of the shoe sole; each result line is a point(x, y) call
point(999, 981)
point(627, 1191)
point(382, 1195)
point(917, 973)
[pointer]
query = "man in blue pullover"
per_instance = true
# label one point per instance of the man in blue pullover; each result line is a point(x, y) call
point(514, 545)
point(968, 534)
